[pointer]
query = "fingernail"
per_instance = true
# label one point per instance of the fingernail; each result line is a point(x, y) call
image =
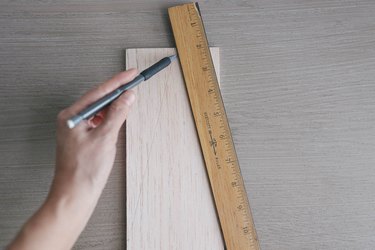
point(130, 98)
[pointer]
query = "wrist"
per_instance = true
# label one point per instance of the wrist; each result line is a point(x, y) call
point(60, 220)
point(76, 184)
point(68, 194)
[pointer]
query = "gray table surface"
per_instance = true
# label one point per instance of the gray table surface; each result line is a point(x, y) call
point(298, 85)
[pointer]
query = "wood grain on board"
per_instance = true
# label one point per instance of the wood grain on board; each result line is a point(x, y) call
point(168, 199)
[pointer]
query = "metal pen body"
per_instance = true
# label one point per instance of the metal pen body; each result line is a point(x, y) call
point(109, 98)
point(102, 102)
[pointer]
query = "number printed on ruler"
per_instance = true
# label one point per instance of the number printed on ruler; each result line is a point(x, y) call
point(230, 160)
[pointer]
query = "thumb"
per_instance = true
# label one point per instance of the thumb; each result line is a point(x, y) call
point(117, 112)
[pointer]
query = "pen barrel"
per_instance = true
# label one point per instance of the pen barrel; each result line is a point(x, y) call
point(99, 104)
point(94, 108)
point(137, 80)
point(107, 99)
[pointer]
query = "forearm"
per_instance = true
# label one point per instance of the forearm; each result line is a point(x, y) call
point(84, 159)
point(60, 220)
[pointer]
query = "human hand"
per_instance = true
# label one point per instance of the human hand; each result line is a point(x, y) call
point(85, 154)
point(84, 159)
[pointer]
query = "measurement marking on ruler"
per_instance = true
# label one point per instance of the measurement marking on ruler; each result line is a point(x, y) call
point(214, 133)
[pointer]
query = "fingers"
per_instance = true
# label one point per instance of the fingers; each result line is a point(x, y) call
point(97, 119)
point(103, 89)
point(117, 113)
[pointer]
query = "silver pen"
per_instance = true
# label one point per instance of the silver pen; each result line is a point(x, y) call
point(109, 98)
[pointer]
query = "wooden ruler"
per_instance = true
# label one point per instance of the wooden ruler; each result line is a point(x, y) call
point(213, 129)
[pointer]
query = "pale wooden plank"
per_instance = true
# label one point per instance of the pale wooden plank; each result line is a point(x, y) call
point(169, 202)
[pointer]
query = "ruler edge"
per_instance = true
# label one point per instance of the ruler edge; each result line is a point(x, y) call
point(196, 6)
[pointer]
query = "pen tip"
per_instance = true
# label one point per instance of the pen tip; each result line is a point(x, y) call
point(70, 124)
point(172, 58)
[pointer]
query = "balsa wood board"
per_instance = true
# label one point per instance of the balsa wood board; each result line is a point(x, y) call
point(169, 204)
